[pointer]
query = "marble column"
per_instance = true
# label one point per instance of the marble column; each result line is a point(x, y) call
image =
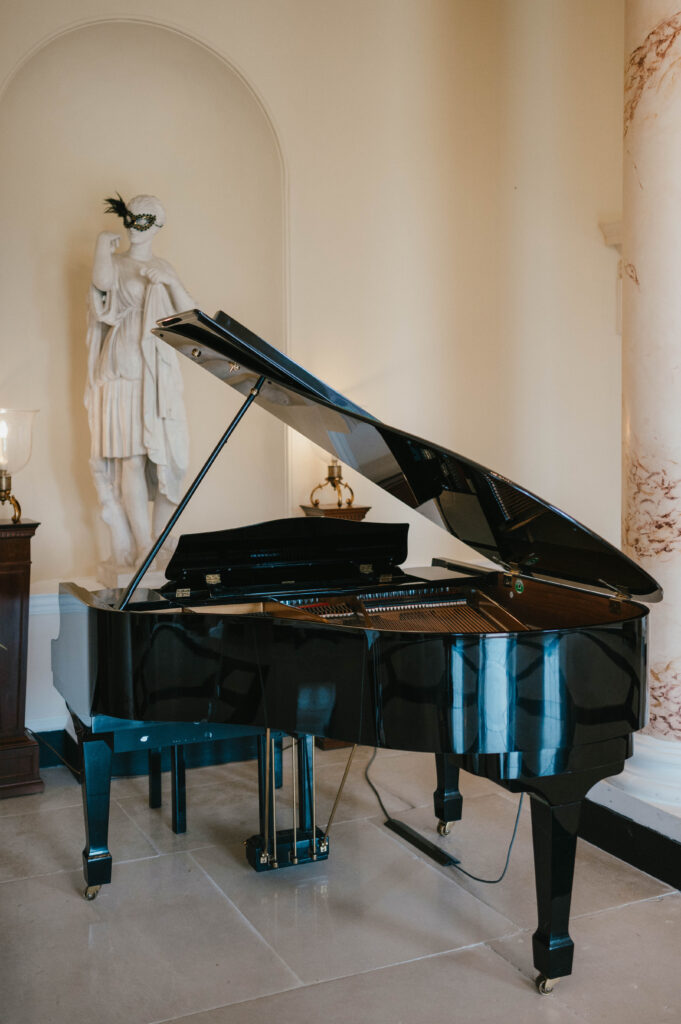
point(651, 369)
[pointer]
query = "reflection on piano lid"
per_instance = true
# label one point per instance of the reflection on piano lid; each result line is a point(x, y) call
point(499, 519)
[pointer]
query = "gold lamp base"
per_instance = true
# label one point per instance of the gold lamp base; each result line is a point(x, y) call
point(6, 495)
point(335, 481)
point(339, 510)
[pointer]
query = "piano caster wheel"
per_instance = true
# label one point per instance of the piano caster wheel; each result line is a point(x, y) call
point(90, 891)
point(544, 984)
point(444, 828)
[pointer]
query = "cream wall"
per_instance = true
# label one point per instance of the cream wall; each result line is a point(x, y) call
point(444, 167)
point(132, 108)
point(485, 318)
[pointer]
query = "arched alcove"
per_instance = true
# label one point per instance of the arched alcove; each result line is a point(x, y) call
point(131, 107)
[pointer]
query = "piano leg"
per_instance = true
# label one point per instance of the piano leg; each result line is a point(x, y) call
point(556, 802)
point(447, 799)
point(96, 788)
point(554, 837)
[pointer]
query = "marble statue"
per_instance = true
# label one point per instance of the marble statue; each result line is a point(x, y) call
point(138, 427)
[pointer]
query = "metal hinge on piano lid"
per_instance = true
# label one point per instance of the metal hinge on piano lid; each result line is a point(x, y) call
point(513, 579)
point(616, 594)
point(367, 569)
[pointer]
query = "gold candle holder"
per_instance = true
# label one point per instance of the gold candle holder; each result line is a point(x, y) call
point(6, 495)
point(16, 429)
point(339, 509)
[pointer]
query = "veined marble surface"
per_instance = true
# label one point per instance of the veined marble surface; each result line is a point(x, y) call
point(650, 61)
point(651, 364)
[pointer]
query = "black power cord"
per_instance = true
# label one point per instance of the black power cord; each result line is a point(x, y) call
point(451, 862)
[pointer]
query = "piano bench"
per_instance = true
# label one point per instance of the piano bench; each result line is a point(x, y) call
point(102, 738)
point(178, 782)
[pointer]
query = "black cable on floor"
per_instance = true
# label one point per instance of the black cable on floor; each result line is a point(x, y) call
point(476, 878)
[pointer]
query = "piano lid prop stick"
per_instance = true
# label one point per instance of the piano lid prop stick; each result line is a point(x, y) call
point(340, 790)
point(135, 581)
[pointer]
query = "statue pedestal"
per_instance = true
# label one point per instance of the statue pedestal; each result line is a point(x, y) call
point(653, 774)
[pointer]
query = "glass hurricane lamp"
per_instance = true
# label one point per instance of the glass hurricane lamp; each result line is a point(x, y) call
point(16, 428)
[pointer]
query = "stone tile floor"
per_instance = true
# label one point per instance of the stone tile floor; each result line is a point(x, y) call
point(187, 932)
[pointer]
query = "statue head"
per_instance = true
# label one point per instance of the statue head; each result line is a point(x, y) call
point(143, 216)
point(148, 217)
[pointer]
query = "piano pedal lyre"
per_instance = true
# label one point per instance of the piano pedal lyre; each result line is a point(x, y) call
point(304, 841)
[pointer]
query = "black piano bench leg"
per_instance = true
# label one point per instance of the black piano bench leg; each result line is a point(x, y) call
point(178, 789)
point(447, 799)
point(554, 837)
point(155, 778)
point(96, 789)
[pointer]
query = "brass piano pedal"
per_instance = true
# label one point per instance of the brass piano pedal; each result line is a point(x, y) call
point(291, 850)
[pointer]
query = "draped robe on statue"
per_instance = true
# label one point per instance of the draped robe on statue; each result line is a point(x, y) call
point(134, 388)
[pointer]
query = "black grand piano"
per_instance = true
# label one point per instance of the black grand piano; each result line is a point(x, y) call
point(531, 674)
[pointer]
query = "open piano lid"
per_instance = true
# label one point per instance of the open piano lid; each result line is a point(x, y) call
point(499, 519)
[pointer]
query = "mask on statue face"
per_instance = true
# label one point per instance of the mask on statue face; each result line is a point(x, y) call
point(136, 221)
point(142, 221)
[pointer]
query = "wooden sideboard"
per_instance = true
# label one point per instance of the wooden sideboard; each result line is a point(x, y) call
point(19, 755)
